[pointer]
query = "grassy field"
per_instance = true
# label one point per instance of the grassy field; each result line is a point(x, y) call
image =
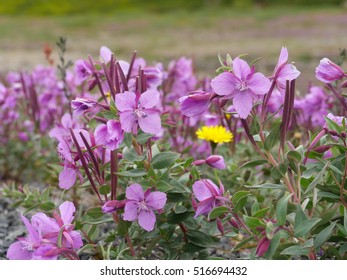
point(309, 34)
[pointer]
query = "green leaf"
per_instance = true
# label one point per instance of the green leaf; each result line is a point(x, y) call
point(128, 139)
point(163, 186)
point(295, 156)
point(317, 179)
point(105, 189)
point(255, 126)
point(252, 163)
point(273, 137)
point(164, 159)
point(323, 236)
point(95, 212)
point(261, 213)
point(47, 206)
point(139, 172)
point(295, 250)
point(267, 186)
point(217, 212)
point(278, 171)
point(333, 125)
point(239, 199)
point(174, 218)
point(253, 222)
point(243, 243)
point(200, 239)
point(300, 216)
point(143, 137)
point(302, 229)
point(189, 247)
point(345, 218)
point(281, 210)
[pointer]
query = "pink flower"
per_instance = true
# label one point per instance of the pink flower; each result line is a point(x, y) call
point(31, 247)
point(215, 161)
point(243, 85)
point(195, 103)
point(140, 206)
point(139, 110)
point(263, 246)
point(209, 195)
point(113, 205)
point(51, 228)
point(82, 106)
point(328, 72)
point(109, 135)
point(284, 71)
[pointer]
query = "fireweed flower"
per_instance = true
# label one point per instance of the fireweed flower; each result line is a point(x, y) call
point(139, 110)
point(109, 135)
point(284, 71)
point(52, 228)
point(215, 161)
point(195, 103)
point(328, 72)
point(31, 247)
point(209, 196)
point(82, 105)
point(140, 206)
point(242, 85)
point(215, 134)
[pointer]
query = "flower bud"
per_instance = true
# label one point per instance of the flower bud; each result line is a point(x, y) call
point(113, 205)
point(328, 72)
point(234, 223)
point(220, 226)
point(216, 161)
point(263, 246)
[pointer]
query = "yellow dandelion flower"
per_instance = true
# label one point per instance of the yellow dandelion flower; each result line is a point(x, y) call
point(216, 134)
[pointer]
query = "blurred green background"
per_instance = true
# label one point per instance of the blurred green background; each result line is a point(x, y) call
point(165, 30)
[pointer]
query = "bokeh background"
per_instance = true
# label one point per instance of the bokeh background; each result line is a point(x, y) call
point(165, 30)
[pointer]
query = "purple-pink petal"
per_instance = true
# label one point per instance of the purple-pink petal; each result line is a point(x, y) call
point(17, 251)
point(130, 211)
point(151, 123)
point(146, 219)
point(67, 177)
point(67, 209)
point(149, 99)
point(134, 192)
point(156, 200)
point(224, 83)
point(44, 224)
point(243, 104)
point(204, 207)
point(125, 101)
point(202, 191)
point(127, 121)
point(259, 84)
point(241, 68)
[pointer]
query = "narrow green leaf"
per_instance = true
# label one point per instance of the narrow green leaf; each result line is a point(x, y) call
point(317, 179)
point(281, 210)
point(278, 171)
point(200, 239)
point(133, 173)
point(252, 163)
point(174, 218)
point(164, 159)
point(253, 222)
point(105, 189)
point(267, 186)
point(295, 250)
point(323, 236)
point(305, 227)
point(273, 137)
point(217, 212)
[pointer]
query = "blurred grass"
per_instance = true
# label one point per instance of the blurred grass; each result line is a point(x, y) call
point(309, 33)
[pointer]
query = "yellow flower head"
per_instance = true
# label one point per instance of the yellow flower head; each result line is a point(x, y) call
point(216, 134)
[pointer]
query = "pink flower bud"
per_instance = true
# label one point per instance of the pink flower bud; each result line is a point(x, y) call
point(220, 226)
point(263, 246)
point(322, 149)
point(328, 72)
point(234, 223)
point(113, 205)
point(216, 161)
